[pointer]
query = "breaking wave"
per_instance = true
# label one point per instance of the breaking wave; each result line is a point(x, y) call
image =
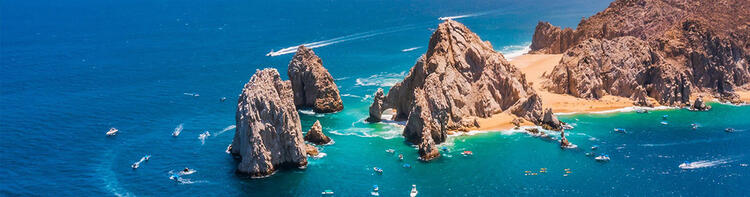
point(381, 80)
point(514, 51)
point(351, 37)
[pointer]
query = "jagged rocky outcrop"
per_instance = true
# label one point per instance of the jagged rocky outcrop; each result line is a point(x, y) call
point(268, 134)
point(459, 79)
point(699, 105)
point(312, 85)
point(623, 66)
point(315, 134)
point(701, 46)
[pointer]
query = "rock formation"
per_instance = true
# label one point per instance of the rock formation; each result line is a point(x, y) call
point(268, 134)
point(621, 66)
point(315, 135)
point(699, 105)
point(312, 85)
point(564, 143)
point(459, 79)
point(692, 46)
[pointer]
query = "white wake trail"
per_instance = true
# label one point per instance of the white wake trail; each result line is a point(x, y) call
point(323, 43)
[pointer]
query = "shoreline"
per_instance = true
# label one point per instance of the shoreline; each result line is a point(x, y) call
point(534, 66)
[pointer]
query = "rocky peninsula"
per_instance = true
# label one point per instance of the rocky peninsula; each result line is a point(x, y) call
point(268, 134)
point(668, 50)
point(459, 81)
point(312, 85)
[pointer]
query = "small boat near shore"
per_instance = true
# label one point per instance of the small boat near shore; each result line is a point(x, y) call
point(390, 151)
point(620, 130)
point(467, 153)
point(375, 191)
point(729, 130)
point(327, 192)
point(378, 170)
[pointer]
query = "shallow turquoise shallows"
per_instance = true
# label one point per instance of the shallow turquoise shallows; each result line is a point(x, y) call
point(71, 70)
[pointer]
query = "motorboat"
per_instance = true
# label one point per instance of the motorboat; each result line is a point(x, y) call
point(222, 99)
point(374, 191)
point(327, 192)
point(467, 153)
point(664, 122)
point(664, 117)
point(414, 191)
point(406, 165)
point(729, 130)
point(390, 151)
point(378, 170)
point(135, 165)
point(594, 147)
point(400, 157)
point(112, 131)
point(695, 126)
point(620, 130)
point(147, 157)
point(602, 157)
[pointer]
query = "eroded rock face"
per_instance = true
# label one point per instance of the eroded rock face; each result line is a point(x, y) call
point(312, 85)
point(459, 79)
point(705, 43)
point(268, 134)
point(623, 66)
point(377, 107)
point(315, 134)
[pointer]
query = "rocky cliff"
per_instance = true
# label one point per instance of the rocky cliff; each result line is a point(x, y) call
point(694, 46)
point(268, 134)
point(312, 85)
point(622, 66)
point(459, 79)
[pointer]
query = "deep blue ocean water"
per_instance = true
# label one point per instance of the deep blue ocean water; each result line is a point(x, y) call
point(70, 70)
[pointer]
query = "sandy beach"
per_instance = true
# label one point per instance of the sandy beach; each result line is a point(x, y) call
point(536, 65)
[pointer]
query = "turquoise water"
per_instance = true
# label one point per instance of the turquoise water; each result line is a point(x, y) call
point(73, 69)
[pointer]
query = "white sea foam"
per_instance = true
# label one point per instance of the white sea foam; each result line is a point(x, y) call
point(410, 49)
point(310, 112)
point(320, 155)
point(625, 109)
point(357, 36)
point(381, 80)
point(514, 51)
point(230, 127)
point(703, 164)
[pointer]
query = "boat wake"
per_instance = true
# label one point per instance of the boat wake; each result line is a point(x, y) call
point(357, 36)
point(230, 127)
point(381, 80)
point(203, 137)
point(688, 142)
point(702, 164)
point(514, 51)
point(310, 112)
point(461, 16)
point(410, 49)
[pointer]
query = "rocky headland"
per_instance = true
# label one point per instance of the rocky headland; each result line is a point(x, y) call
point(312, 85)
point(268, 134)
point(459, 80)
point(665, 49)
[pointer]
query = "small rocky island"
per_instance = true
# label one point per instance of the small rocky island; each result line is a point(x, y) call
point(671, 49)
point(315, 135)
point(312, 85)
point(268, 134)
point(460, 79)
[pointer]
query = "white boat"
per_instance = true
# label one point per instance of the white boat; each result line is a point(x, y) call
point(414, 191)
point(135, 165)
point(229, 149)
point(390, 151)
point(664, 123)
point(112, 131)
point(375, 191)
point(378, 170)
point(327, 192)
point(602, 158)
